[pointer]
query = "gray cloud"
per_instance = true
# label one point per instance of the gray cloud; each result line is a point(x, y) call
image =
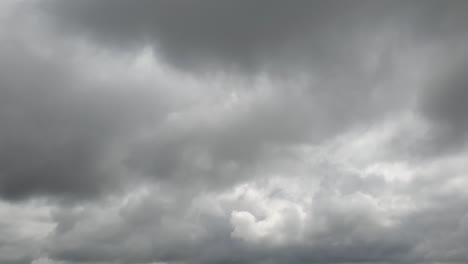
point(196, 30)
point(323, 35)
point(340, 226)
point(233, 132)
point(191, 34)
point(445, 105)
point(58, 129)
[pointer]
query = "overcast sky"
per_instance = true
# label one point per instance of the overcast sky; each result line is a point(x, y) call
point(233, 132)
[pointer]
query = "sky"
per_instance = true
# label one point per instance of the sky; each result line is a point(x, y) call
point(233, 132)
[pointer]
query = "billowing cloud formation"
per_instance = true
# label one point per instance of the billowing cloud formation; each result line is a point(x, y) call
point(233, 132)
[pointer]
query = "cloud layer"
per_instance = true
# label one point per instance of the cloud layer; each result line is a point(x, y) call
point(233, 132)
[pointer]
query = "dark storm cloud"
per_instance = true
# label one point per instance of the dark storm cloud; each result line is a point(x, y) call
point(195, 30)
point(248, 34)
point(351, 51)
point(91, 125)
point(445, 105)
point(57, 127)
point(441, 103)
point(320, 34)
point(33, 159)
point(132, 110)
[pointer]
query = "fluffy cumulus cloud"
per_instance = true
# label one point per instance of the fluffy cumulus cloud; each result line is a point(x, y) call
point(224, 131)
